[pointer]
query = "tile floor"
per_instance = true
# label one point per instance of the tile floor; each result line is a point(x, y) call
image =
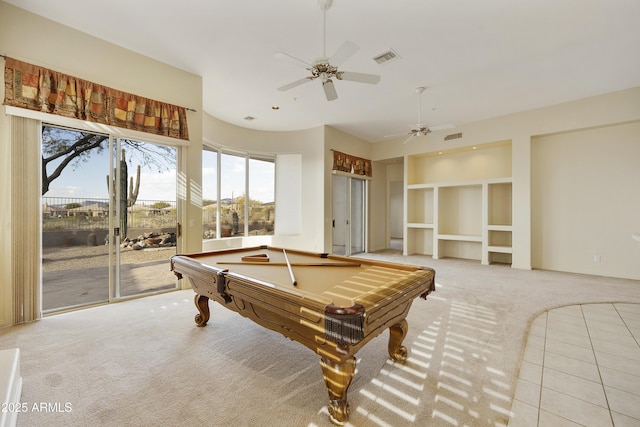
point(581, 367)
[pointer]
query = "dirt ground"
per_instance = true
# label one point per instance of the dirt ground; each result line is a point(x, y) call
point(79, 275)
point(79, 257)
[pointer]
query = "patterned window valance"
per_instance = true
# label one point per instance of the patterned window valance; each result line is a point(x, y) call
point(36, 88)
point(351, 164)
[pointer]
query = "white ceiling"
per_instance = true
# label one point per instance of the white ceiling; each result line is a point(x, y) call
point(477, 58)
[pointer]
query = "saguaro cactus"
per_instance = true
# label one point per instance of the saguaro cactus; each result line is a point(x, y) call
point(127, 198)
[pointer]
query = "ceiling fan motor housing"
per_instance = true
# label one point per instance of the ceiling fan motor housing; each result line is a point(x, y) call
point(324, 71)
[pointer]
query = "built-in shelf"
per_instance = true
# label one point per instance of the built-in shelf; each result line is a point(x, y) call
point(500, 249)
point(420, 186)
point(469, 218)
point(419, 241)
point(460, 237)
point(420, 205)
point(419, 225)
point(499, 227)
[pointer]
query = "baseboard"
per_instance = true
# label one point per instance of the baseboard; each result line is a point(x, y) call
point(10, 386)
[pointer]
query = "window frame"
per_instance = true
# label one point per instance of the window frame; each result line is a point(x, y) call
point(247, 156)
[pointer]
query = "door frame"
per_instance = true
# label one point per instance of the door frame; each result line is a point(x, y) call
point(114, 290)
point(348, 215)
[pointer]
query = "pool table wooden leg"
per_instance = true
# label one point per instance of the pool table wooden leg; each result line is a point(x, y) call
point(337, 377)
point(202, 304)
point(397, 332)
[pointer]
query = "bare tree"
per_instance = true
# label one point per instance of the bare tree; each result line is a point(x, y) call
point(72, 147)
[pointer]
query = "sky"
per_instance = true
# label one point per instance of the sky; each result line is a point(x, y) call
point(88, 179)
point(261, 177)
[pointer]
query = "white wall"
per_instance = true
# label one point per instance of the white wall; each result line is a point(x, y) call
point(394, 178)
point(378, 209)
point(31, 38)
point(586, 201)
point(396, 212)
point(487, 162)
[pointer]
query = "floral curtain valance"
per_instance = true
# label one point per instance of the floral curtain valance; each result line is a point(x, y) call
point(351, 164)
point(36, 88)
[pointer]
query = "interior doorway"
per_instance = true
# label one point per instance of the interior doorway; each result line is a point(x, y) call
point(109, 218)
point(349, 215)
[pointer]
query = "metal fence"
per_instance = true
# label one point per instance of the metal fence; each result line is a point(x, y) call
point(66, 213)
point(77, 214)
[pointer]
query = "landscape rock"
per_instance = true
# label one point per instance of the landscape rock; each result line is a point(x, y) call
point(150, 240)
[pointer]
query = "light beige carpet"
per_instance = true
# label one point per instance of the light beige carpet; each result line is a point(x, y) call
point(145, 363)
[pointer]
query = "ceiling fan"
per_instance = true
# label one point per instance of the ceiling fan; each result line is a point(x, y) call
point(421, 129)
point(325, 68)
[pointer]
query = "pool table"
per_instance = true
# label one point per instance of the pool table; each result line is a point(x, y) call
point(331, 304)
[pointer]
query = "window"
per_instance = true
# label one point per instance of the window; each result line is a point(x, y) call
point(261, 190)
point(232, 194)
point(209, 193)
point(238, 194)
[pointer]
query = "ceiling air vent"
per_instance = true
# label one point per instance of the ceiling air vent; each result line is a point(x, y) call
point(453, 136)
point(385, 57)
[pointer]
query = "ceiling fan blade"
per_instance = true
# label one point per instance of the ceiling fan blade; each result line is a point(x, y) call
point(297, 61)
point(329, 90)
point(294, 84)
point(410, 138)
point(358, 77)
point(344, 52)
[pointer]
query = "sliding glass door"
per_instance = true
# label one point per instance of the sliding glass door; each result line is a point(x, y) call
point(145, 216)
point(357, 211)
point(109, 222)
point(75, 217)
point(349, 215)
